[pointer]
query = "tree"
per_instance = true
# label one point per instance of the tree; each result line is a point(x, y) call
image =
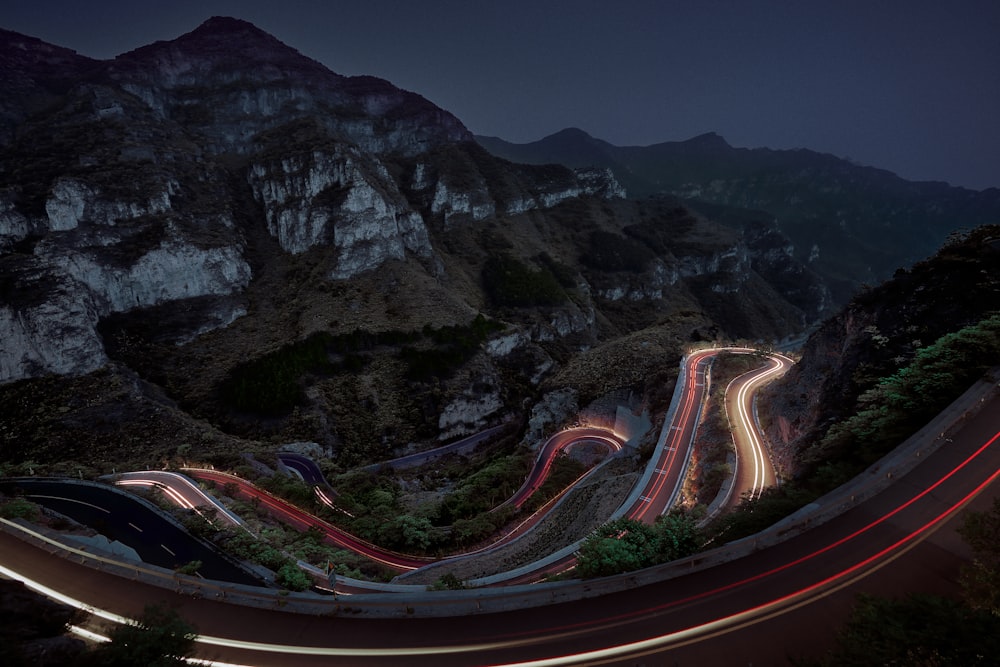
point(157, 638)
point(618, 546)
point(926, 630)
point(677, 536)
point(291, 577)
point(981, 578)
point(407, 532)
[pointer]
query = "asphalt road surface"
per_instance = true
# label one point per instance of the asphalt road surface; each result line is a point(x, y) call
point(120, 517)
point(757, 609)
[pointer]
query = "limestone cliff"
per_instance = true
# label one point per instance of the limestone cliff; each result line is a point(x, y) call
point(229, 229)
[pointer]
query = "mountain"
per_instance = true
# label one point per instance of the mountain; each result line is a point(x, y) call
point(851, 224)
point(847, 360)
point(214, 244)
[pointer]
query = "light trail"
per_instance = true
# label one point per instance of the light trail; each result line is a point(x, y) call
point(547, 453)
point(296, 516)
point(746, 421)
point(780, 604)
point(772, 607)
point(622, 618)
point(164, 481)
point(677, 440)
point(824, 583)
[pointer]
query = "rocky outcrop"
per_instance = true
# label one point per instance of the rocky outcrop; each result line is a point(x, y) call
point(98, 254)
point(470, 411)
point(555, 409)
point(172, 271)
point(52, 330)
point(72, 201)
point(476, 200)
point(879, 332)
point(729, 266)
point(340, 200)
point(229, 81)
point(49, 320)
point(14, 226)
point(458, 204)
point(772, 256)
point(649, 286)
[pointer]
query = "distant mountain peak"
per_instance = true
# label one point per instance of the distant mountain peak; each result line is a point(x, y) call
point(231, 43)
point(570, 133)
point(227, 24)
point(228, 29)
point(708, 140)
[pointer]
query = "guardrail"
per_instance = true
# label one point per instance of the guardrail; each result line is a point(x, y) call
point(488, 600)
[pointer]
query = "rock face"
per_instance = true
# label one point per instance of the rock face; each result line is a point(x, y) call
point(879, 332)
point(237, 233)
point(849, 224)
point(149, 155)
point(231, 82)
point(53, 333)
point(331, 200)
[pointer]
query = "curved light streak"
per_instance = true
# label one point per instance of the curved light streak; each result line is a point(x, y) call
point(400, 562)
point(556, 443)
point(744, 410)
point(675, 440)
point(734, 621)
point(721, 625)
point(724, 624)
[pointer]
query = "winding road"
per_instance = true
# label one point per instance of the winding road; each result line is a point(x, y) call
point(762, 595)
point(754, 470)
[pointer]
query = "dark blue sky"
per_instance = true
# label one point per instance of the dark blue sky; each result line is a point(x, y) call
point(913, 87)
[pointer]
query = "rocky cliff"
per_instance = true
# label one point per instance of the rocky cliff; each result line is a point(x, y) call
point(219, 228)
point(849, 224)
point(876, 334)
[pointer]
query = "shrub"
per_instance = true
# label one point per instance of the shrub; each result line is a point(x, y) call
point(610, 252)
point(19, 508)
point(625, 544)
point(510, 282)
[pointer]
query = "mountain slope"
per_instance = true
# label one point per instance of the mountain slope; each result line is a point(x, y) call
point(882, 330)
point(851, 224)
point(214, 244)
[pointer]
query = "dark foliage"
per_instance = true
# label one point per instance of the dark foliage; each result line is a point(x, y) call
point(272, 385)
point(917, 630)
point(624, 545)
point(510, 282)
point(607, 251)
point(159, 638)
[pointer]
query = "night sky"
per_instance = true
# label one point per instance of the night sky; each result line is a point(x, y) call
point(912, 87)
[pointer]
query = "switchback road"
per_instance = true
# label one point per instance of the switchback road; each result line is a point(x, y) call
point(735, 612)
point(754, 598)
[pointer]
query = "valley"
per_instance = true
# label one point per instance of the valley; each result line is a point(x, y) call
point(427, 369)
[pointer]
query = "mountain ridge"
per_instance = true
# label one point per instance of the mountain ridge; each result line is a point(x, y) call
point(263, 251)
point(853, 224)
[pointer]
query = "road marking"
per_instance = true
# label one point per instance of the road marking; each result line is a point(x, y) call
point(165, 548)
point(645, 499)
point(69, 500)
point(135, 526)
